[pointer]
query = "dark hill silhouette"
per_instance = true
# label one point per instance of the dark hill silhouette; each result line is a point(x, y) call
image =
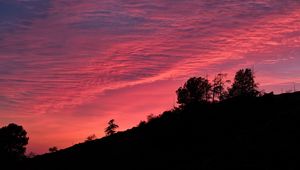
point(237, 133)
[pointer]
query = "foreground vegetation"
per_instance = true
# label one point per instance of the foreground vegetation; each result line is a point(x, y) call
point(213, 128)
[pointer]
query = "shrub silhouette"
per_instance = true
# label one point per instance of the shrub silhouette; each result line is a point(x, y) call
point(111, 128)
point(13, 140)
point(244, 84)
point(195, 90)
point(142, 123)
point(91, 137)
point(53, 149)
point(151, 117)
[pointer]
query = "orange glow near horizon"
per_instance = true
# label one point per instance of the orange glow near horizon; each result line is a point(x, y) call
point(67, 67)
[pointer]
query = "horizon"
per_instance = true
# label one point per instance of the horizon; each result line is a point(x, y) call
point(67, 68)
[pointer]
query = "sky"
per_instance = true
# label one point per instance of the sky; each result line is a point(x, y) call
point(69, 66)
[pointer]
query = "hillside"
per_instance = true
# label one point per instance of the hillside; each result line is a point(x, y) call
point(238, 133)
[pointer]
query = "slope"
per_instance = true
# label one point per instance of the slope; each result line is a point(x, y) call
point(238, 133)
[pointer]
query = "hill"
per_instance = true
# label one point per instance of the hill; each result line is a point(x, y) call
point(238, 133)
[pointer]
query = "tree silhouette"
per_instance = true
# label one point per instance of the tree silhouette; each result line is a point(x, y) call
point(13, 140)
point(196, 89)
point(91, 137)
point(218, 87)
point(53, 149)
point(111, 128)
point(244, 84)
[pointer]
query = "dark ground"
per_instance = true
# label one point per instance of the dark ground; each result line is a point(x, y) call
point(239, 133)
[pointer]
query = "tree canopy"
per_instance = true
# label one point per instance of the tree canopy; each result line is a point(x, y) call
point(200, 90)
point(244, 84)
point(13, 140)
point(218, 87)
point(195, 90)
point(111, 128)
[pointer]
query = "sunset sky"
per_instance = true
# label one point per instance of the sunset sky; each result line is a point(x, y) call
point(68, 66)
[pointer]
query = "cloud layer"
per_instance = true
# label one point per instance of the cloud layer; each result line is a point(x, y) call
point(57, 58)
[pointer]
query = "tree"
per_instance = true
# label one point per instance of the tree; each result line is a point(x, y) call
point(53, 149)
point(244, 84)
point(218, 87)
point(111, 128)
point(91, 137)
point(13, 140)
point(195, 90)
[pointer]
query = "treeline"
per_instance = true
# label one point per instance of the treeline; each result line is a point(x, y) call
point(200, 90)
point(196, 90)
